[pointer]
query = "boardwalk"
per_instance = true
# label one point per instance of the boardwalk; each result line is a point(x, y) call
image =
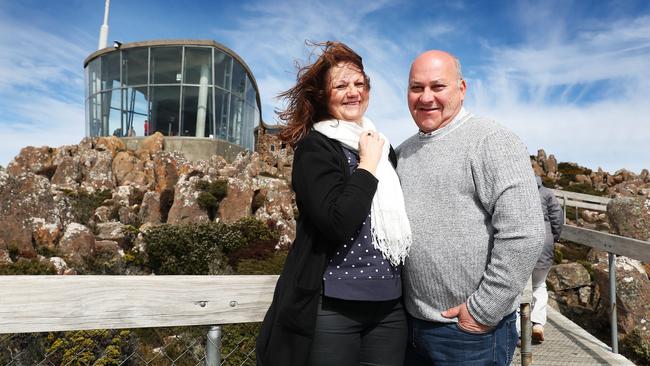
point(567, 344)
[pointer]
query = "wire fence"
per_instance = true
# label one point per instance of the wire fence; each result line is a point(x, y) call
point(177, 346)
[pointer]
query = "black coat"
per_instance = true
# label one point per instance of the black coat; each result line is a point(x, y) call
point(332, 204)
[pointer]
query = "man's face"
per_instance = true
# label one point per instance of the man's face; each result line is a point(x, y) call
point(435, 93)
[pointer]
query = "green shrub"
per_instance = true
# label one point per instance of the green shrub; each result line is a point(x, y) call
point(27, 267)
point(558, 256)
point(190, 249)
point(588, 266)
point(238, 341)
point(253, 230)
point(200, 248)
point(84, 204)
point(636, 348)
point(211, 195)
point(89, 347)
point(182, 346)
point(270, 266)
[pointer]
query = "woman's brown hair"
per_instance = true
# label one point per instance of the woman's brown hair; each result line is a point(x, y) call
point(307, 100)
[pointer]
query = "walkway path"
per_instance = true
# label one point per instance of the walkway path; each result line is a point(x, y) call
point(567, 344)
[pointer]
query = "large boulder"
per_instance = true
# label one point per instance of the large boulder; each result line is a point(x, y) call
point(186, 208)
point(237, 203)
point(111, 144)
point(150, 208)
point(630, 216)
point(274, 205)
point(165, 170)
point(37, 160)
point(632, 299)
point(68, 173)
point(151, 145)
point(26, 204)
point(77, 243)
point(111, 231)
point(568, 276)
point(96, 170)
point(128, 169)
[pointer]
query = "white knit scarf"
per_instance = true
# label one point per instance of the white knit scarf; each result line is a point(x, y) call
point(391, 231)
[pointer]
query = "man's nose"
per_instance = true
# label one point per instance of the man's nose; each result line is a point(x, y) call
point(427, 95)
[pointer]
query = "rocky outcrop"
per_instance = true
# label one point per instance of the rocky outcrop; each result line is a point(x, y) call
point(69, 201)
point(567, 276)
point(630, 216)
point(27, 209)
point(77, 243)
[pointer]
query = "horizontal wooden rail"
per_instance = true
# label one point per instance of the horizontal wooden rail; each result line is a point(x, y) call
point(581, 197)
point(619, 245)
point(581, 200)
point(61, 303)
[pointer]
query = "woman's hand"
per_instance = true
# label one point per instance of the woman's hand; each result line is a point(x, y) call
point(370, 148)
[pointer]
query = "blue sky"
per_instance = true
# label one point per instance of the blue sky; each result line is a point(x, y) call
point(571, 77)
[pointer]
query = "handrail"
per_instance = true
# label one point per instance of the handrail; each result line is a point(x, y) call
point(63, 303)
point(581, 200)
point(614, 245)
point(581, 196)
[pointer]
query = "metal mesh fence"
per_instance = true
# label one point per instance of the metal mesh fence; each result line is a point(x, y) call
point(178, 346)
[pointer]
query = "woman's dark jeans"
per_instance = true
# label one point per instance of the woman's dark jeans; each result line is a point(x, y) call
point(353, 333)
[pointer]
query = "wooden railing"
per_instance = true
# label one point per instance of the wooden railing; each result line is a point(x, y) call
point(581, 200)
point(62, 303)
point(614, 245)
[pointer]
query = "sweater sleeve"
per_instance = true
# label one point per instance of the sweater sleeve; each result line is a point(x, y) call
point(506, 188)
point(335, 205)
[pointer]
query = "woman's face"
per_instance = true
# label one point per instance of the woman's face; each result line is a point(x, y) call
point(348, 93)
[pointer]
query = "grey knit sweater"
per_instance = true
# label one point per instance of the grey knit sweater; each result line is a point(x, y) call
point(476, 218)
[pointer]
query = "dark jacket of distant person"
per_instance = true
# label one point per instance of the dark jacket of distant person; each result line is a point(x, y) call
point(553, 220)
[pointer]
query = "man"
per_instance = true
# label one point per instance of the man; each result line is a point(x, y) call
point(477, 223)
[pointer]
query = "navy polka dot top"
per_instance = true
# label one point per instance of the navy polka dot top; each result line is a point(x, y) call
point(358, 271)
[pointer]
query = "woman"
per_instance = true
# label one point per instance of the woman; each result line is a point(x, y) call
point(338, 299)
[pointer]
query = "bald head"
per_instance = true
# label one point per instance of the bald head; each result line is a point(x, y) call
point(436, 90)
point(437, 56)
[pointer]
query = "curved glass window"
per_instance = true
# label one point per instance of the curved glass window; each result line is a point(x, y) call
point(197, 91)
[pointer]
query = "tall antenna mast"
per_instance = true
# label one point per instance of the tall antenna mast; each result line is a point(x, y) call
point(103, 31)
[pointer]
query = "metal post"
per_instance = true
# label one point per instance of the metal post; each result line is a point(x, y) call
point(612, 301)
point(577, 214)
point(213, 346)
point(526, 335)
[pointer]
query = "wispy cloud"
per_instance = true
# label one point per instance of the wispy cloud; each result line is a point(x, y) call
point(41, 88)
point(271, 36)
point(582, 97)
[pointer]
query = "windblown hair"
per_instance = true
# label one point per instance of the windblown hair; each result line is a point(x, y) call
point(307, 101)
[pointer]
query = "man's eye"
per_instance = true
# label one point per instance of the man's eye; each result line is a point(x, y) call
point(340, 87)
point(360, 85)
point(416, 89)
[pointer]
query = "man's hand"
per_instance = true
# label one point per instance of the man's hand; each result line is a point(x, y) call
point(465, 319)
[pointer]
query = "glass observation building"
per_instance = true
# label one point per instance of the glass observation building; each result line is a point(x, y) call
point(183, 88)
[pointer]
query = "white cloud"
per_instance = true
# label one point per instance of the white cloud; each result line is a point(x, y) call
point(41, 88)
point(581, 98)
